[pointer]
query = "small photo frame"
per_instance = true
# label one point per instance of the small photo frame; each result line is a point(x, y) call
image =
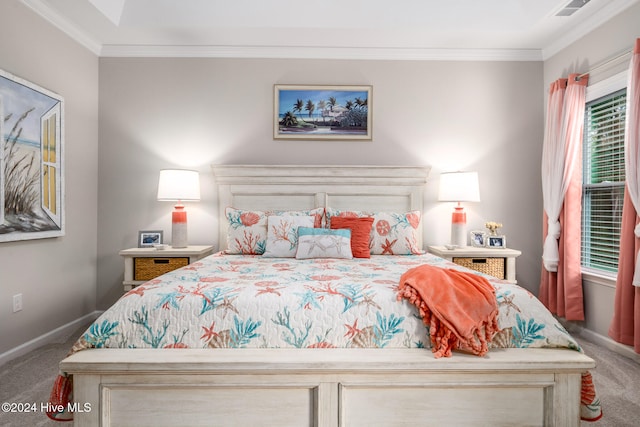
point(478, 239)
point(496, 242)
point(146, 239)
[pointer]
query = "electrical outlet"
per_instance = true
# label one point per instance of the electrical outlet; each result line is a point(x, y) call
point(17, 303)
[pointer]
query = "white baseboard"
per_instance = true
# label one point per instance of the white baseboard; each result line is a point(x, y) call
point(63, 332)
point(601, 340)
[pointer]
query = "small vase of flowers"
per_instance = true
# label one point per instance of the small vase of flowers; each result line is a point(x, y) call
point(493, 227)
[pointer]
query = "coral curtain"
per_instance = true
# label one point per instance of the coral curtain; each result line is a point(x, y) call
point(625, 326)
point(553, 179)
point(561, 279)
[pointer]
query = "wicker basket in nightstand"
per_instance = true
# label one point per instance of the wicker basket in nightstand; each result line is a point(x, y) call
point(491, 266)
point(143, 264)
point(148, 268)
point(500, 263)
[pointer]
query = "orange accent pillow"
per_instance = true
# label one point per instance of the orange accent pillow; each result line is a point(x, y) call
point(360, 233)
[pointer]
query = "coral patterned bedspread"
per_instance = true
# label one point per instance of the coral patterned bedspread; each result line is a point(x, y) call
point(241, 301)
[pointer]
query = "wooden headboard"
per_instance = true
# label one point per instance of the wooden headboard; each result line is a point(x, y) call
point(297, 187)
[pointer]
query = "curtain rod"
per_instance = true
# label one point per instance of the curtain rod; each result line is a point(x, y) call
point(605, 63)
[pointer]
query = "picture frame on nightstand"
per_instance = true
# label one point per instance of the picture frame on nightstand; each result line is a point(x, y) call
point(478, 239)
point(148, 238)
point(497, 242)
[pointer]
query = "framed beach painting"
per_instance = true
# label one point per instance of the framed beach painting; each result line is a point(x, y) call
point(314, 112)
point(31, 161)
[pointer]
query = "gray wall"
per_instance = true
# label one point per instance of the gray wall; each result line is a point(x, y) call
point(616, 36)
point(162, 113)
point(56, 276)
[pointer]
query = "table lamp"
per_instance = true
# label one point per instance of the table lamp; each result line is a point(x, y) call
point(179, 185)
point(459, 187)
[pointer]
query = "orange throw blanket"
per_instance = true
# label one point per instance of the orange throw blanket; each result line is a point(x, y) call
point(460, 308)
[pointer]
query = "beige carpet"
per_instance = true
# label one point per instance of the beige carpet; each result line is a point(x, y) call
point(28, 379)
point(617, 380)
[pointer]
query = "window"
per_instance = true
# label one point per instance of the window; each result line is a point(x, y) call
point(603, 181)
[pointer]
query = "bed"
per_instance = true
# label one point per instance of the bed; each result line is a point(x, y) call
point(319, 341)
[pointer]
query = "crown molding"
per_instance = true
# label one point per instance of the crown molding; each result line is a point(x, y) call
point(296, 52)
point(277, 52)
point(612, 8)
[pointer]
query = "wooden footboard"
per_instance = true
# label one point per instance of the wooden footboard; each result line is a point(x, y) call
point(326, 387)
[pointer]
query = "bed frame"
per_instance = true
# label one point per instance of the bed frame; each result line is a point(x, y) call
point(324, 387)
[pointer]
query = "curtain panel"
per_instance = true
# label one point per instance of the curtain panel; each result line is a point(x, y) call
point(561, 278)
point(625, 326)
point(553, 178)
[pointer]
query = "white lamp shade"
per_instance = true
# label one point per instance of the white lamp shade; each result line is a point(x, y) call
point(459, 187)
point(179, 184)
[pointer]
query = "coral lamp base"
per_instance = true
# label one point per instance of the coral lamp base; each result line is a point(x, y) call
point(179, 227)
point(459, 227)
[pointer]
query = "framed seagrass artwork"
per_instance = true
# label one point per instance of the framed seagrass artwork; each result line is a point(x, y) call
point(304, 112)
point(31, 161)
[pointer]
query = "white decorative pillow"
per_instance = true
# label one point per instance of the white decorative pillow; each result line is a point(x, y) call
point(392, 233)
point(395, 233)
point(282, 235)
point(324, 243)
point(247, 234)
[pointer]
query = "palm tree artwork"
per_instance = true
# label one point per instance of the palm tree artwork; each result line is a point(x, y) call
point(322, 112)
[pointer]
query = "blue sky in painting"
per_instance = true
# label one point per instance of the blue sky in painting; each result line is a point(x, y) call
point(288, 98)
point(17, 99)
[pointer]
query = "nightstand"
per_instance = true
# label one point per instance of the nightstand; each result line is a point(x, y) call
point(143, 264)
point(499, 262)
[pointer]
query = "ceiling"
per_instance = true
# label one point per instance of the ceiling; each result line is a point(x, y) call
point(527, 30)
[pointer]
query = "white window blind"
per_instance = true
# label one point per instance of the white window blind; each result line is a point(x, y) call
point(603, 181)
